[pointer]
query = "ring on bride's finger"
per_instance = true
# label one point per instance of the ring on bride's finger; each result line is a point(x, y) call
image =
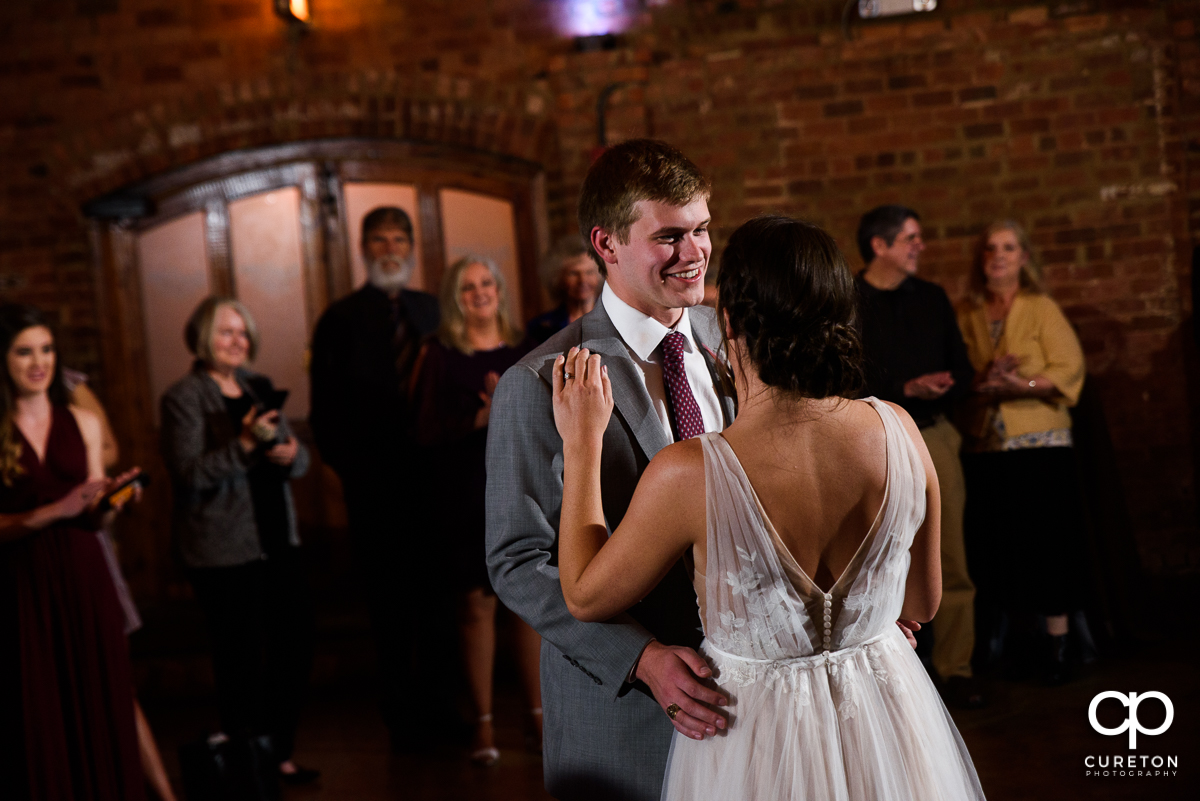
point(673, 710)
point(567, 375)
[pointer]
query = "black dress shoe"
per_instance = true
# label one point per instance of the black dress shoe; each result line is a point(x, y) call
point(300, 776)
point(964, 692)
point(1057, 666)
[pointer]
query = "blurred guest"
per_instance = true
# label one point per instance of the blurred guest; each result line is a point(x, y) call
point(914, 356)
point(459, 370)
point(230, 455)
point(1023, 520)
point(67, 729)
point(363, 352)
point(574, 283)
point(81, 396)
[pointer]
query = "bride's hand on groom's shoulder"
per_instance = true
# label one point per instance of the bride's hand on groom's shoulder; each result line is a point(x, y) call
point(583, 398)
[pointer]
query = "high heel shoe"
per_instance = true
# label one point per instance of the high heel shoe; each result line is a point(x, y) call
point(487, 755)
point(533, 741)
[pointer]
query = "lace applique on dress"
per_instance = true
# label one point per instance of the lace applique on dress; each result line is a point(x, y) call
point(828, 698)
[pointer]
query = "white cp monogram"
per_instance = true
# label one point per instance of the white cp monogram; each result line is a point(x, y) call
point(1131, 723)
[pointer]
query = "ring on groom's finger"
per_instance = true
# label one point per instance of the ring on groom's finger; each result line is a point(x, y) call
point(673, 710)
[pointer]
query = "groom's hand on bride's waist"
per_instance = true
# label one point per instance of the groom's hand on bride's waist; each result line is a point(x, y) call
point(909, 627)
point(673, 674)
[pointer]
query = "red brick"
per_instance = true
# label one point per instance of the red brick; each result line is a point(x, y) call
point(984, 129)
point(843, 109)
point(927, 99)
point(884, 104)
point(976, 93)
point(906, 82)
point(1029, 126)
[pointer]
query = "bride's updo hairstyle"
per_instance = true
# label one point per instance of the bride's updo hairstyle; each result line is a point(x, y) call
point(785, 288)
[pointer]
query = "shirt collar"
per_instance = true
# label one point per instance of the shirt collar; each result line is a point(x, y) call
point(641, 332)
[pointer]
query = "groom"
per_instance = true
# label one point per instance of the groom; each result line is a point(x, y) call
point(612, 691)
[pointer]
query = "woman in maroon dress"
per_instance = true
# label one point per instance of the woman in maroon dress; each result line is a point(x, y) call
point(66, 694)
point(456, 376)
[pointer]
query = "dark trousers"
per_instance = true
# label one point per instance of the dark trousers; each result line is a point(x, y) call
point(260, 620)
point(411, 612)
point(1024, 530)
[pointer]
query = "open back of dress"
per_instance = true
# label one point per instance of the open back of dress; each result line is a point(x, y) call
point(829, 701)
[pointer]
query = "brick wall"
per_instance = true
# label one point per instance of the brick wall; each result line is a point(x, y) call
point(1080, 119)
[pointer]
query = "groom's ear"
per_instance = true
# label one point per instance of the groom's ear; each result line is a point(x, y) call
point(604, 243)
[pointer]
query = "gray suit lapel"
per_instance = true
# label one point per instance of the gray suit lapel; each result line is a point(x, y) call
point(708, 337)
point(599, 335)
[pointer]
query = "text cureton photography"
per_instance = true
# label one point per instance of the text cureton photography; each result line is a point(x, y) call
point(1131, 764)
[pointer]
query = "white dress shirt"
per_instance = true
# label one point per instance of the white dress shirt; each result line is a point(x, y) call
point(642, 335)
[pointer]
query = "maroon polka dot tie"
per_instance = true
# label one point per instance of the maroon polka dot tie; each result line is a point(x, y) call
point(683, 410)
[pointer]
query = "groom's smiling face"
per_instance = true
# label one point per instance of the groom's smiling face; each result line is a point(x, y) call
point(660, 270)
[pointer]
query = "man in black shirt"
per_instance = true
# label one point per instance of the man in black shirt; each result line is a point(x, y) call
point(363, 353)
point(915, 357)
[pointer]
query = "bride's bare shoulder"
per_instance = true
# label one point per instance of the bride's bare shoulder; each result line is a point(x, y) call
point(677, 461)
point(905, 419)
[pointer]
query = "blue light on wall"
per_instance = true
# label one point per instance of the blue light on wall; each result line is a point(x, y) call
point(597, 17)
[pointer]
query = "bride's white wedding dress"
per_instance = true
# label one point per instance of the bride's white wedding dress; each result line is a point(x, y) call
point(828, 700)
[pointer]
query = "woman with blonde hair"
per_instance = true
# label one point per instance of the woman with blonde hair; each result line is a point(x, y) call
point(458, 372)
point(231, 455)
point(1022, 521)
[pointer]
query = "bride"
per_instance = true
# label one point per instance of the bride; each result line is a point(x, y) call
point(810, 526)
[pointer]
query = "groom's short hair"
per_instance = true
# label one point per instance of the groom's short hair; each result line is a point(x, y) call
point(639, 169)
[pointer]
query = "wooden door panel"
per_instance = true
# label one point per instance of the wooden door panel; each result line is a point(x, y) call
point(269, 277)
point(173, 265)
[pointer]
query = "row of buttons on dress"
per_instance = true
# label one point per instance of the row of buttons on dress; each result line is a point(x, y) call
point(828, 619)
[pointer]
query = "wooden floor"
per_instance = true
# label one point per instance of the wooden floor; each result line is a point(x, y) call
point(1029, 743)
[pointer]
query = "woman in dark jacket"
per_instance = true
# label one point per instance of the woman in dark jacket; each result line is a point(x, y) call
point(231, 455)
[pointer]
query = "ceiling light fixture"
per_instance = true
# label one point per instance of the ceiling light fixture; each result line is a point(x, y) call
point(293, 10)
point(874, 9)
point(868, 9)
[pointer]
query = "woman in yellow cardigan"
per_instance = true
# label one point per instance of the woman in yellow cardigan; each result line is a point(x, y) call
point(1022, 521)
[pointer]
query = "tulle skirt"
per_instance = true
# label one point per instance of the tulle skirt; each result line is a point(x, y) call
point(860, 724)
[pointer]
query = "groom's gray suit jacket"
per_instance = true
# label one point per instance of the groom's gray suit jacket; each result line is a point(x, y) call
point(604, 738)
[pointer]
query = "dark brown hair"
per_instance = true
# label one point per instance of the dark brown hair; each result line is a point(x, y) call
point(786, 290)
point(884, 222)
point(15, 318)
point(639, 169)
